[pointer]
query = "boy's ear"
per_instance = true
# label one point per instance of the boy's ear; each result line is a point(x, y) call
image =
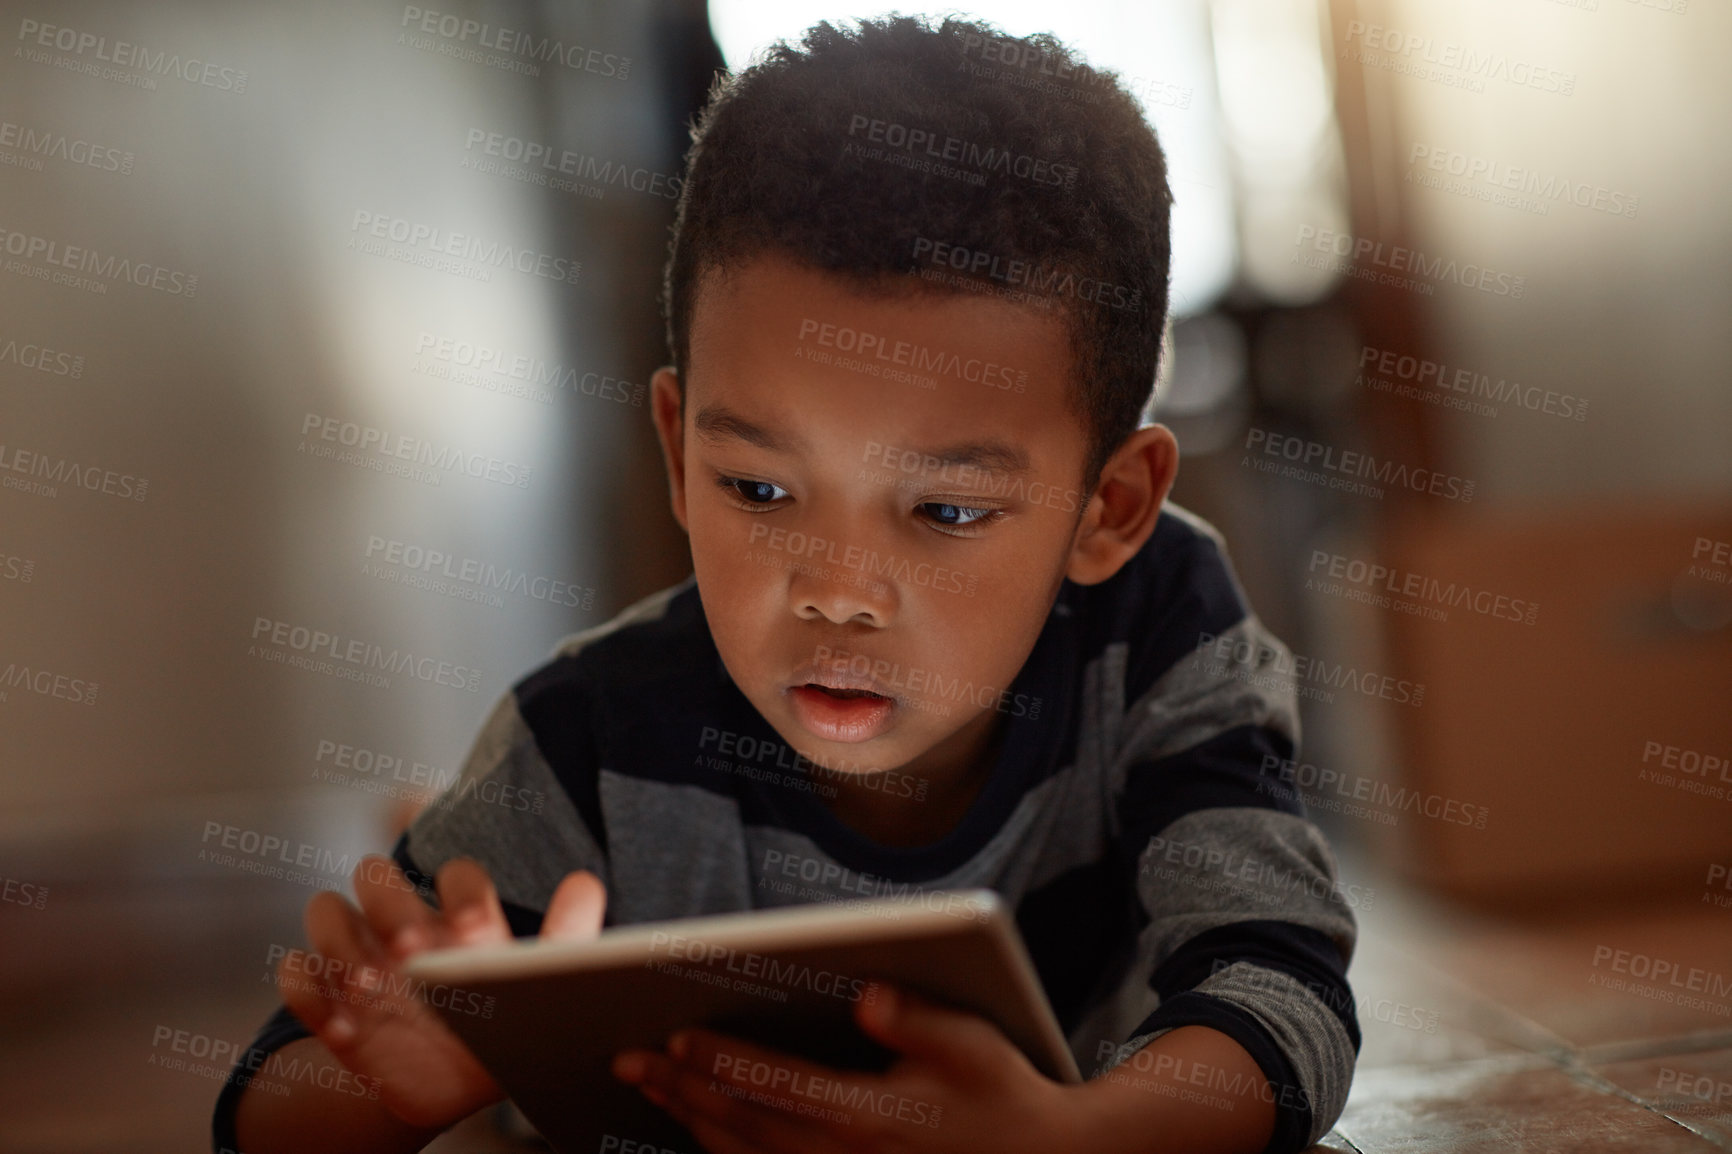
point(665, 409)
point(1125, 505)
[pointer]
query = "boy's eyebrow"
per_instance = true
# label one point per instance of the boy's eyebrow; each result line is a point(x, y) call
point(714, 422)
point(987, 456)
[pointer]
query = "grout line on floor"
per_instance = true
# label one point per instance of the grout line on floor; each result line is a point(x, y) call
point(1586, 1077)
point(1337, 1132)
point(1607, 1053)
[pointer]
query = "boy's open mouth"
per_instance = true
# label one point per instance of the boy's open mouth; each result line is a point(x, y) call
point(847, 712)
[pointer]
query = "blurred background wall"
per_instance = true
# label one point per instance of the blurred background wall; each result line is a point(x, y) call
point(325, 333)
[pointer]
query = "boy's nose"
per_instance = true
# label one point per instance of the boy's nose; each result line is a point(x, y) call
point(840, 597)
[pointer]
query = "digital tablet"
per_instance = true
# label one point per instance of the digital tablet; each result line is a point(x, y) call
point(547, 1018)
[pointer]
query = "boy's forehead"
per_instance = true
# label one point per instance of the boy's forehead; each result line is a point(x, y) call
point(934, 362)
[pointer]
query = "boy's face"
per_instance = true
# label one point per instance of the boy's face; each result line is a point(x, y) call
point(876, 556)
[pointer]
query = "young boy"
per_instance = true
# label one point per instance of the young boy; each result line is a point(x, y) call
point(942, 632)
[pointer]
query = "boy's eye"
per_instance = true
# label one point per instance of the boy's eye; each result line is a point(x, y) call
point(753, 492)
point(947, 514)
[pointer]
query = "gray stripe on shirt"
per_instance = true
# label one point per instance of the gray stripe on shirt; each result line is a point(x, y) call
point(489, 814)
point(1214, 867)
point(678, 852)
point(1200, 697)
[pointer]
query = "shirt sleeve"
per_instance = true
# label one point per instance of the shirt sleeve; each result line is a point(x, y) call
point(508, 810)
point(1247, 930)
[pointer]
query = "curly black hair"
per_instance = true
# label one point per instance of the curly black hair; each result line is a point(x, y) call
point(973, 160)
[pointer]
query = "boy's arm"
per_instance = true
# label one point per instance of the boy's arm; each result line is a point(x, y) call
point(383, 1072)
point(1248, 933)
point(1244, 929)
point(509, 810)
point(282, 1039)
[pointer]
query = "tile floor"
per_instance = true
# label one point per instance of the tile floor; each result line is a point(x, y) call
point(1485, 1033)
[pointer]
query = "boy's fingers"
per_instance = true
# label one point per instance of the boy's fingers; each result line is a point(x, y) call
point(339, 936)
point(577, 907)
point(915, 1026)
point(470, 914)
point(400, 918)
point(337, 930)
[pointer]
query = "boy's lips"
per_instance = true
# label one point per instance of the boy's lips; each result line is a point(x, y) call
point(838, 705)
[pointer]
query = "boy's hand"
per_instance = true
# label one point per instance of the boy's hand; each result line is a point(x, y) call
point(959, 1086)
point(351, 996)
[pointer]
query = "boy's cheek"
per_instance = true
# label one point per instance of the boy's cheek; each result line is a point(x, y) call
point(724, 559)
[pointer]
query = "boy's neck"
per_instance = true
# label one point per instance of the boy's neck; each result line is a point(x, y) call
point(952, 773)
